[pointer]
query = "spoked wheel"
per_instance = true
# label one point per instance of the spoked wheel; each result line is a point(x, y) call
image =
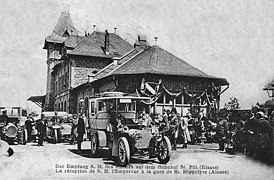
point(55, 137)
point(94, 145)
point(123, 151)
point(25, 137)
point(164, 150)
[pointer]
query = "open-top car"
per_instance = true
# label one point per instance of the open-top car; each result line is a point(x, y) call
point(58, 125)
point(14, 131)
point(114, 125)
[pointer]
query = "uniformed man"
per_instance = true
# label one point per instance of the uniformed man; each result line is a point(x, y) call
point(29, 123)
point(4, 118)
point(222, 130)
point(41, 128)
point(55, 119)
point(81, 130)
point(3, 122)
point(174, 128)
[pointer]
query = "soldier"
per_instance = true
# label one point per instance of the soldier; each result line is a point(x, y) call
point(4, 118)
point(222, 130)
point(29, 123)
point(55, 119)
point(174, 127)
point(3, 122)
point(41, 128)
point(81, 130)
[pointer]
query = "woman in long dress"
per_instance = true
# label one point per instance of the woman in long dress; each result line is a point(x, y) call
point(185, 131)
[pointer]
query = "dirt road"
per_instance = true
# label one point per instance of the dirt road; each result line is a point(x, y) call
point(63, 161)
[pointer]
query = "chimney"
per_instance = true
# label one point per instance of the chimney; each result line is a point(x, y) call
point(107, 43)
point(141, 42)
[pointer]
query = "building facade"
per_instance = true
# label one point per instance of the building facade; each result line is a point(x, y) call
point(80, 67)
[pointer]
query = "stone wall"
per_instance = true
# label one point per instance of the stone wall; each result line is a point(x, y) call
point(79, 75)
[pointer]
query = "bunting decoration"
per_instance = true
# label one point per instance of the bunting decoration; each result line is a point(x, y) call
point(209, 96)
point(150, 89)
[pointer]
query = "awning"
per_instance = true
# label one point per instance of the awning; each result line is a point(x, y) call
point(38, 100)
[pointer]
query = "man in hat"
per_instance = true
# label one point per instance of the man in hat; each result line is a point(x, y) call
point(29, 124)
point(3, 122)
point(222, 130)
point(144, 118)
point(174, 128)
point(74, 126)
point(41, 128)
point(81, 130)
point(4, 118)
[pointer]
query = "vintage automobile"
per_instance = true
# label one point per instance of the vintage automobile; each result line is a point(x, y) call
point(114, 125)
point(60, 129)
point(14, 132)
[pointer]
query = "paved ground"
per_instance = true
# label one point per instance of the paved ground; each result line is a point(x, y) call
point(62, 161)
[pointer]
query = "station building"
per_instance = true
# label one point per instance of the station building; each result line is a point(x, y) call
point(80, 67)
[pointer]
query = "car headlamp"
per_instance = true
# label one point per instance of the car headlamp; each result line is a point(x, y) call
point(137, 136)
point(125, 129)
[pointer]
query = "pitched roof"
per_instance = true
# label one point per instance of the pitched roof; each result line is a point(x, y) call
point(64, 25)
point(155, 60)
point(111, 67)
point(93, 45)
point(73, 40)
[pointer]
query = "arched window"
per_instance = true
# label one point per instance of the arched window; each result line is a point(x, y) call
point(65, 106)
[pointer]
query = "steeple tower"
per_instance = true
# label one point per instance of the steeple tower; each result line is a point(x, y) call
point(53, 44)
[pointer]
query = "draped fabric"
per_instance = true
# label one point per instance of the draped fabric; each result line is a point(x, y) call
point(209, 96)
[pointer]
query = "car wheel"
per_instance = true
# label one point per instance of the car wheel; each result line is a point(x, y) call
point(55, 136)
point(123, 152)
point(164, 150)
point(25, 137)
point(94, 145)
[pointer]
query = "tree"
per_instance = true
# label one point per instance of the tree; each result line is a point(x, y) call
point(233, 104)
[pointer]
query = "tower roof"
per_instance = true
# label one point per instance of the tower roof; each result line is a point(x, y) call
point(62, 29)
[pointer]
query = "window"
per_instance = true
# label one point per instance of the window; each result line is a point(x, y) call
point(24, 113)
point(65, 106)
point(92, 108)
point(169, 100)
point(179, 100)
point(161, 99)
point(127, 106)
point(101, 106)
point(15, 112)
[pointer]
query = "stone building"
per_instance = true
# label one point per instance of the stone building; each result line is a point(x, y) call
point(152, 71)
point(79, 67)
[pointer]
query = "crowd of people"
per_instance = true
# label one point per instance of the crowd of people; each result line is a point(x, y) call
point(223, 130)
point(241, 135)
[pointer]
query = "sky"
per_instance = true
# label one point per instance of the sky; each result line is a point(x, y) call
point(228, 39)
